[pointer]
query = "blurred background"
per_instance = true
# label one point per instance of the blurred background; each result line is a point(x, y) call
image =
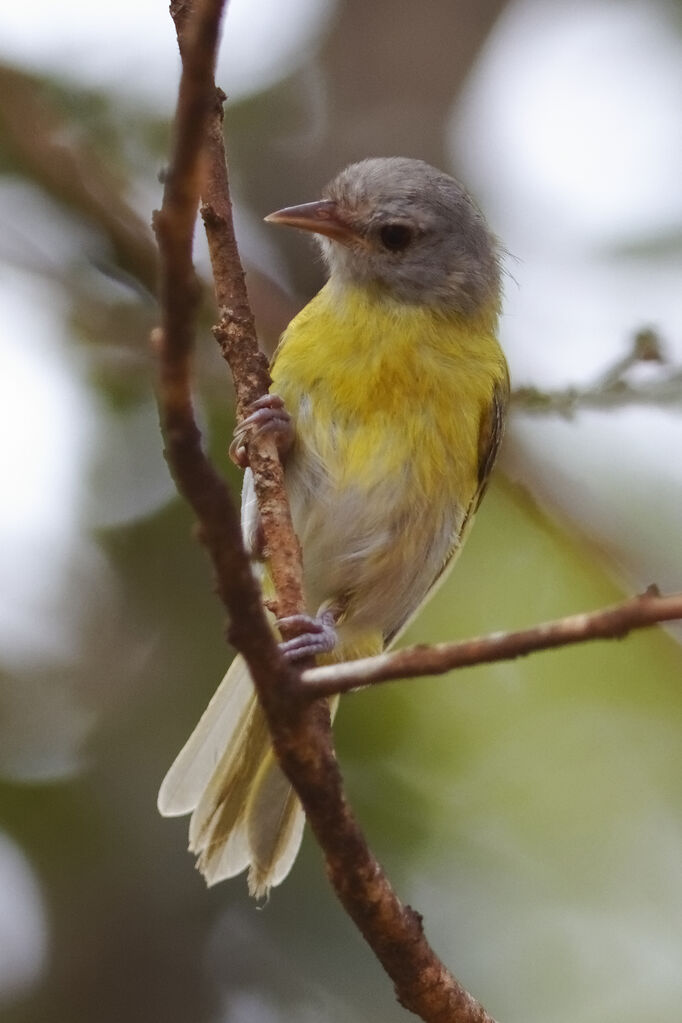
point(531, 810)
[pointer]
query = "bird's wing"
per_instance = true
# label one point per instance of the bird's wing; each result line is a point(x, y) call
point(490, 438)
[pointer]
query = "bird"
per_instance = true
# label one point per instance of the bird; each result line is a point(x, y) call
point(388, 401)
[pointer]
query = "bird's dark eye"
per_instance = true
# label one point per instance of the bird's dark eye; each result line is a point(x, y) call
point(395, 237)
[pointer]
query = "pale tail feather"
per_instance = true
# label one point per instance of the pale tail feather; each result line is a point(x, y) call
point(274, 823)
point(220, 727)
point(244, 812)
point(225, 792)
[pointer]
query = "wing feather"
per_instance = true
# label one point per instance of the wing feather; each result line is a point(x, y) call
point(490, 438)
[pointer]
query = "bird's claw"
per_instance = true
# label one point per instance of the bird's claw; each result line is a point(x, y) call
point(315, 636)
point(267, 414)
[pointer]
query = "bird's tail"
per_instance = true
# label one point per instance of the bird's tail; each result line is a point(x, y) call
point(244, 811)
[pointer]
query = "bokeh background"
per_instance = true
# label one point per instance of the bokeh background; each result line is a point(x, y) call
point(531, 810)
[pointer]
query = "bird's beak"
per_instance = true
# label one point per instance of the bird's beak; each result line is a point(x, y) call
point(322, 217)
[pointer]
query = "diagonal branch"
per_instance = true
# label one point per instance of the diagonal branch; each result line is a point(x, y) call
point(607, 623)
point(301, 733)
point(37, 135)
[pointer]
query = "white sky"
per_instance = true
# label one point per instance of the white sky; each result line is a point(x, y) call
point(130, 46)
point(582, 120)
point(23, 923)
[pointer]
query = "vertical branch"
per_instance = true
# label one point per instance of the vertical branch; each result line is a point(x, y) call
point(301, 733)
point(179, 293)
point(236, 334)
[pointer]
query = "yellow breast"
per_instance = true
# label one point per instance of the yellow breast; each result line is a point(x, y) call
point(380, 387)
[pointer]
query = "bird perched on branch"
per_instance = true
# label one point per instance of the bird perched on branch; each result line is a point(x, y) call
point(388, 403)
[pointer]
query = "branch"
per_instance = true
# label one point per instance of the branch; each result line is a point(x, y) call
point(300, 729)
point(608, 623)
point(195, 476)
point(37, 136)
point(612, 388)
point(236, 334)
point(301, 732)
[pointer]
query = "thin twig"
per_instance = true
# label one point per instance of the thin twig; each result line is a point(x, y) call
point(612, 622)
point(612, 388)
point(36, 135)
point(236, 334)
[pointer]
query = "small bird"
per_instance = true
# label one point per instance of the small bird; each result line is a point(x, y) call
point(388, 399)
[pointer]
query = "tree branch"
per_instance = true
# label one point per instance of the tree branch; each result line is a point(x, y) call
point(612, 388)
point(36, 134)
point(301, 733)
point(236, 334)
point(179, 293)
point(608, 623)
point(300, 728)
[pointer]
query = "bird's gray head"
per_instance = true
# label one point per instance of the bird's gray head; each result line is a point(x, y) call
point(406, 229)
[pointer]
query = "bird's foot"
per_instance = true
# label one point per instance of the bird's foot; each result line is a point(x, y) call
point(267, 414)
point(314, 635)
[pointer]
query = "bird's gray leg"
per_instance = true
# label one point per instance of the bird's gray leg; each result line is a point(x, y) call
point(267, 414)
point(316, 634)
